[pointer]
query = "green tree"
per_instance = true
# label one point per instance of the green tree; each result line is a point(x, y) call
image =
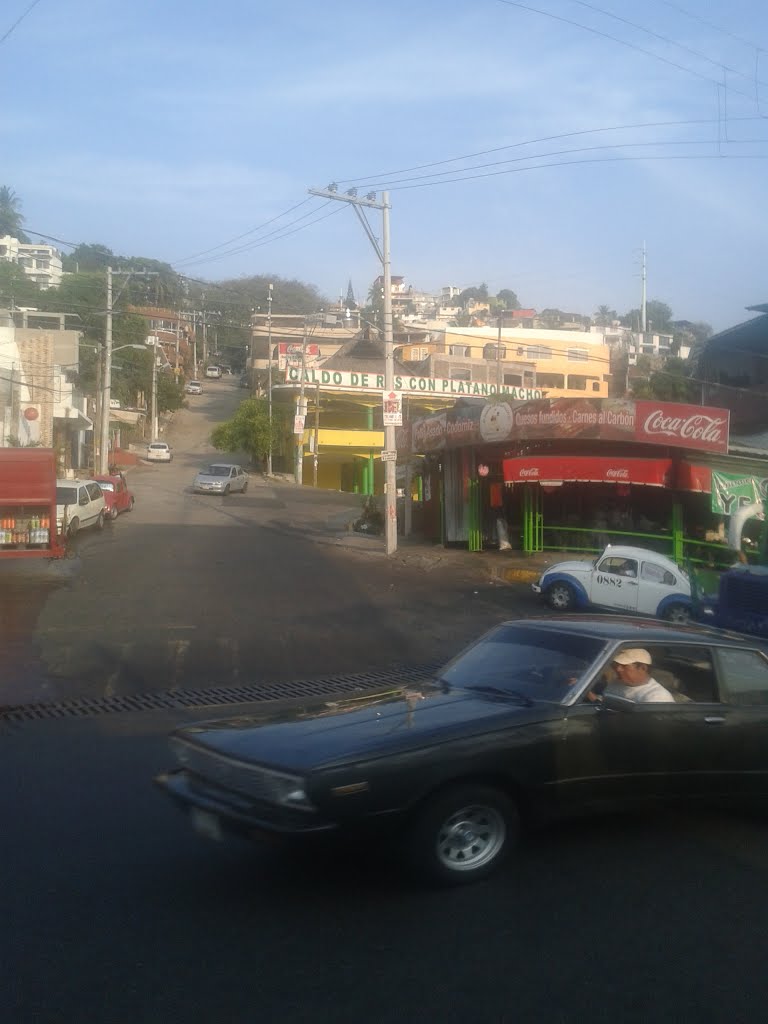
point(604, 316)
point(507, 299)
point(670, 384)
point(658, 316)
point(248, 430)
point(478, 294)
point(11, 217)
point(16, 288)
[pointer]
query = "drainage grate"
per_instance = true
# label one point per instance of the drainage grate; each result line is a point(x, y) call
point(164, 700)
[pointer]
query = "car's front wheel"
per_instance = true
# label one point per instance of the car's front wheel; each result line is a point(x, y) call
point(113, 513)
point(100, 521)
point(226, 490)
point(561, 597)
point(677, 613)
point(464, 833)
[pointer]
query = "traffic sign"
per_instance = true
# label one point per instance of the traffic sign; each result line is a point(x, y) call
point(388, 456)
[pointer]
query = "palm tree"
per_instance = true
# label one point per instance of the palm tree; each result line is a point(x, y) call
point(605, 316)
point(11, 217)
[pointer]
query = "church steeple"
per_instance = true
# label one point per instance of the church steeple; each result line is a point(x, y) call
point(349, 302)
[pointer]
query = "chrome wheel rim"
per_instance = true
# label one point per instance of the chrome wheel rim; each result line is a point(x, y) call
point(470, 838)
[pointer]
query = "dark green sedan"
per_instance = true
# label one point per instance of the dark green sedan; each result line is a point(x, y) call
point(539, 718)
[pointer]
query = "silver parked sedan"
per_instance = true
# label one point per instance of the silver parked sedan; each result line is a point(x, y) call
point(221, 478)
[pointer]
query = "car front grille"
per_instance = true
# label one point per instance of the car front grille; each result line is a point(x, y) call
point(251, 780)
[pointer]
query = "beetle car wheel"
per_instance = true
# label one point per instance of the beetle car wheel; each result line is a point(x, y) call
point(113, 513)
point(677, 613)
point(561, 597)
point(132, 503)
point(464, 834)
point(73, 527)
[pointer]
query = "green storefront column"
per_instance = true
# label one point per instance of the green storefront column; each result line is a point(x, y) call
point(678, 552)
point(474, 530)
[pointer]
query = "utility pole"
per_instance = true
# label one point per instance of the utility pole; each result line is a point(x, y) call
point(154, 391)
point(390, 467)
point(107, 388)
point(317, 434)
point(301, 412)
point(498, 359)
point(269, 375)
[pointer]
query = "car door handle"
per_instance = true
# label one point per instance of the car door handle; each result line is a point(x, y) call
point(631, 583)
point(714, 720)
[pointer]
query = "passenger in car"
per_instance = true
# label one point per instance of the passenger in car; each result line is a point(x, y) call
point(635, 682)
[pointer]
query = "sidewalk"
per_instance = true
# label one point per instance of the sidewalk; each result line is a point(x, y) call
point(334, 527)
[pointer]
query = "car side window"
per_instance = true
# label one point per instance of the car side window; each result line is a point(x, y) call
point(657, 574)
point(94, 491)
point(687, 671)
point(619, 566)
point(744, 676)
point(82, 496)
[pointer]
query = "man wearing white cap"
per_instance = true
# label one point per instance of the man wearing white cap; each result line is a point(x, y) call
point(635, 682)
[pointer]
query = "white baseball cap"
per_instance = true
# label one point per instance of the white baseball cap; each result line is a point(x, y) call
point(632, 655)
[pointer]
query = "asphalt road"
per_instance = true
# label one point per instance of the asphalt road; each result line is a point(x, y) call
point(114, 912)
point(201, 590)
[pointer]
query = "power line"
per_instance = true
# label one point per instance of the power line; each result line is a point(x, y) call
point(595, 160)
point(19, 20)
point(615, 39)
point(667, 39)
point(710, 24)
point(545, 138)
point(251, 231)
point(565, 152)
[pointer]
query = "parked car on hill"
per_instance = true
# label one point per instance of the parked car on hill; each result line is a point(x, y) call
point(626, 579)
point(79, 504)
point(529, 723)
point(193, 387)
point(117, 497)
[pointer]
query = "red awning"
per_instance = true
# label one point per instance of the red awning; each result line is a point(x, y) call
point(588, 469)
point(693, 478)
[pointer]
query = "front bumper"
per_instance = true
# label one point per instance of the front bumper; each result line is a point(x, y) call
point(536, 588)
point(237, 813)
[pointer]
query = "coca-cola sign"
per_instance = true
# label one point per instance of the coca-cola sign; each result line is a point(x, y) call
point(682, 426)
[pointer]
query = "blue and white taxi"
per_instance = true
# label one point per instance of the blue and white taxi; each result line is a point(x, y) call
point(622, 579)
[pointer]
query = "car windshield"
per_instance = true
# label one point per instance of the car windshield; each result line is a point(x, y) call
point(524, 662)
point(159, 447)
point(106, 485)
point(217, 471)
point(66, 495)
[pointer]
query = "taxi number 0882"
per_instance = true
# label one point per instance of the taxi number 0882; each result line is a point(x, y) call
point(614, 581)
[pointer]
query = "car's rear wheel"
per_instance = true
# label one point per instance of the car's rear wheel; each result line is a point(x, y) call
point(226, 490)
point(561, 597)
point(73, 527)
point(131, 504)
point(463, 834)
point(245, 487)
point(678, 613)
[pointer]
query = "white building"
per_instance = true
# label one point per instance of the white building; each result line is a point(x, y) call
point(41, 263)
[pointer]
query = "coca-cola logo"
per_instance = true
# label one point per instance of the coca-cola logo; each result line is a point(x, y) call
point(697, 427)
point(617, 474)
point(533, 471)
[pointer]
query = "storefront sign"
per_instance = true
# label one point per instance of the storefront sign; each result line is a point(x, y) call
point(604, 419)
point(729, 491)
point(294, 353)
point(393, 408)
point(684, 426)
point(346, 380)
point(597, 469)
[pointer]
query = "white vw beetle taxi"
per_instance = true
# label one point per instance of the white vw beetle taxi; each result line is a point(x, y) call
point(622, 579)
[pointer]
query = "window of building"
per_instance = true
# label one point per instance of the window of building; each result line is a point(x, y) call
point(494, 351)
point(578, 355)
point(461, 373)
point(529, 378)
point(595, 385)
point(459, 350)
point(576, 381)
point(550, 380)
point(515, 379)
point(538, 352)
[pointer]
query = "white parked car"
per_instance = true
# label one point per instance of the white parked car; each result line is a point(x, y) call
point(214, 372)
point(79, 504)
point(625, 579)
point(194, 387)
point(221, 478)
point(158, 451)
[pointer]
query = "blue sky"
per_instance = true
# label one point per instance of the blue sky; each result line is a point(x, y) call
point(165, 128)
